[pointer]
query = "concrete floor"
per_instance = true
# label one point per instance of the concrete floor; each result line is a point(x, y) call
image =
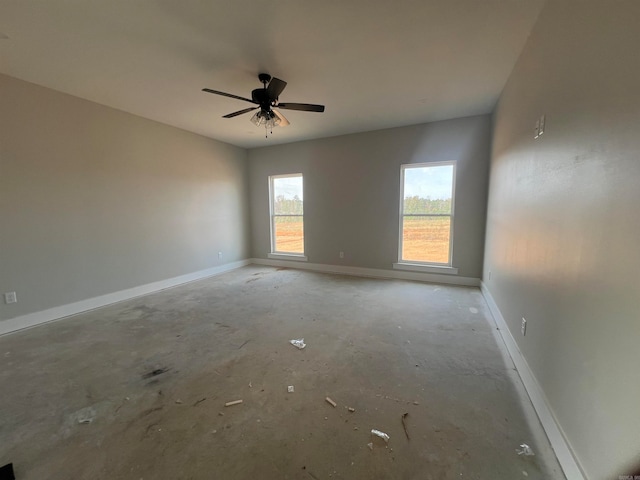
point(385, 348)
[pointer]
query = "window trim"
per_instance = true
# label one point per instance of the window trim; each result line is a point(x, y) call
point(275, 254)
point(414, 264)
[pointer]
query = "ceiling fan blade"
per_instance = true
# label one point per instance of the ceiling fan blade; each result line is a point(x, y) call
point(208, 90)
point(275, 88)
point(305, 107)
point(283, 121)
point(240, 112)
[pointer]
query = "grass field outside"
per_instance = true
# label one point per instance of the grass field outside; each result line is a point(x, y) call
point(289, 234)
point(424, 239)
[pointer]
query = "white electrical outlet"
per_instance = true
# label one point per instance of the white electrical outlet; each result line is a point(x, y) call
point(524, 326)
point(341, 254)
point(10, 297)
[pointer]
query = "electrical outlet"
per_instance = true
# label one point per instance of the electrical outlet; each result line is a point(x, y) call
point(524, 326)
point(341, 254)
point(10, 297)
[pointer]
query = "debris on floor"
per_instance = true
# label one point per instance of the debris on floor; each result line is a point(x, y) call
point(156, 372)
point(85, 415)
point(370, 445)
point(6, 472)
point(200, 401)
point(331, 402)
point(298, 343)
point(178, 401)
point(250, 385)
point(351, 409)
point(231, 404)
point(380, 434)
point(525, 450)
point(398, 400)
point(404, 425)
point(290, 389)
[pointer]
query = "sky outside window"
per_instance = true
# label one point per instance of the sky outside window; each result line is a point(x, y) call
point(433, 182)
point(288, 187)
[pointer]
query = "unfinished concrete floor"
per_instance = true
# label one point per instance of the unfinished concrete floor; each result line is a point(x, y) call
point(385, 348)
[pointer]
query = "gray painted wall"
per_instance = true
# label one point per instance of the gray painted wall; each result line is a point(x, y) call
point(352, 188)
point(94, 200)
point(563, 224)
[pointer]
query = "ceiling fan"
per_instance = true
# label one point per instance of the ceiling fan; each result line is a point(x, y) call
point(266, 98)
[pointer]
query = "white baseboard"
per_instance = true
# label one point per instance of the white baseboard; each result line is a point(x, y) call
point(551, 427)
point(372, 272)
point(56, 313)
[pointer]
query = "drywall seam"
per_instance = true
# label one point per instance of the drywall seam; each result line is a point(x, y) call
point(551, 427)
point(372, 272)
point(56, 313)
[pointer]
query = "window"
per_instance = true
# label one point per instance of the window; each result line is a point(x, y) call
point(287, 219)
point(426, 213)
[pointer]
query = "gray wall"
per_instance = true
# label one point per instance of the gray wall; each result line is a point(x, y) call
point(94, 200)
point(352, 188)
point(563, 226)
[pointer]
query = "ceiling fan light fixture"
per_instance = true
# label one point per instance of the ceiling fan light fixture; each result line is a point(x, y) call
point(266, 119)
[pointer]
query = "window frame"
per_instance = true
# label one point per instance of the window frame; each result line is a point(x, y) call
point(417, 263)
point(275, 253)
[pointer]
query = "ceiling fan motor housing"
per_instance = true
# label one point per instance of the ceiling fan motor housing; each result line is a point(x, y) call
point(259, 95)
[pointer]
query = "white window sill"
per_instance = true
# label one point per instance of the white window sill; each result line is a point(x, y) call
point(287, 256)
point(417, 267)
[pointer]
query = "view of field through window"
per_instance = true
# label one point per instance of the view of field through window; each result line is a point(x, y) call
point(287, 214)
point(426, 213)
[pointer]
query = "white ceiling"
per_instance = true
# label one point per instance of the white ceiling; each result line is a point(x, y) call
point(373, 63)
